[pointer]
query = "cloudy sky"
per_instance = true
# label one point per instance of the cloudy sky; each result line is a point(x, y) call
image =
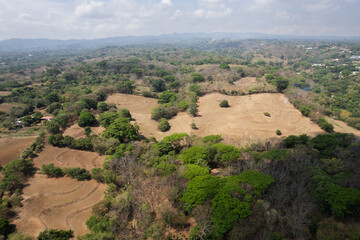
point(67, 19)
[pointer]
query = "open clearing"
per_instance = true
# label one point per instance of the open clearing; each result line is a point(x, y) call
point(5, 93)
point(65, 158)
point(11, 148)
point(77, 132)
point(340, 126)
point(6, 107)
point(244, 122)
point(63, 203)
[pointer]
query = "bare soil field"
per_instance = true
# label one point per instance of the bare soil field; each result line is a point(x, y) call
point(6, 107)
point(5, 93)
point(244, 122)
point(340, 126)
point(64, 158)
point(11, 148)
point(62, 203)
point(77, 132)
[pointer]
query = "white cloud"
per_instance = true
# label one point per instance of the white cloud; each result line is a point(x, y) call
point(91, 9)
point(166, 2)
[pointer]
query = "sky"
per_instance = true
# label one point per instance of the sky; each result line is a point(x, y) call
point(90, 19)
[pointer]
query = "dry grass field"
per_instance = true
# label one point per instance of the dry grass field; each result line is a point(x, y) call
point(11, 148)
point(244, 122)
point(5, 93)
point(6, 107)
point(77, 132)
point(62, 203)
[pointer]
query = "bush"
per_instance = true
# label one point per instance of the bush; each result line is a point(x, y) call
point(224, 66)
point(86, 119)
point(124, 113)
point(52, 127)
point(195, 155)
point(193, 170)
point(167, 97)
point(87, 130)
point(78, 173)
point(193, 125)
point(158, 85)
point(224, 104)
point(305, 110)
point(163, 125)
point(197, 77)
point(195, 88)
point(293, 140)
point(161, 112)
point(4, 226)
point(108, 118)
point(182, 105)
point(51, 171)
point(325, 125)
point(122, 130)
point(56, 235)
point(102, 107)
point(267, 114)
point(278, 132)
point(98, 174)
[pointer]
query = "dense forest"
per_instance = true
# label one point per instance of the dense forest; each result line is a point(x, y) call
point(184, 186)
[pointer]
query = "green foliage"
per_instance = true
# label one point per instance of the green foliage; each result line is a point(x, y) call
point(122, 130)
point(292, 140)
point(224, 104)
point(158, 85)
point(226, 211)
point(343, 201)
point(161, 112)
point(126, 86)
point(281, 83)
point(226, 153)
point(99, 224)
point(89, 103)
point(163, 125)
point(108, 118)
point(325, 125)
point(193, 125)
point(53, 234)
point(52, 127)
point(197, 77)
point(87, 130)
point(53, 107)
point(78, 173)
point(267, 114)
point(19, 236)
point(195, 155)
point(195, 88)
point(333, 166)
point(86, 119)
point(278, 132)
point(275, 154)
point(224, 66)
point(327, 144)
point(182, 105)
point(51, 171)
point(194, 233)
point(212, 139)
point(199, 189)
point(167, 97)
point(305, 110)
point(124, 113)
point(193, 170)
point(102, 107)
point(15, 172)
point(4, 226)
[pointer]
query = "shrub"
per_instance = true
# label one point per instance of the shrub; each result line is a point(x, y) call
point(293, 140)
point(278, 132)
point(51, 171)
point(4, 226)
point(224, 104)
point(158, 85)
point(124, 113)
point(108, 118)
point(161, 112)
point(52, 127)
point(56, 235)
point(195, 88)
point(102, 107)
point(305, 110)
point(325, 125)
point(122, 130)
point(167, 97)
point(193, 125)
point(195, 155)
point(98, 174)
point(78, 173)
point(163, 125)
point(213, 139)
point(182, 105)
point(197, 77)
point(193, 109)
point(193, 170)
point(267, 114)
point(224, 66)
point(226, 153)
point(86, 119)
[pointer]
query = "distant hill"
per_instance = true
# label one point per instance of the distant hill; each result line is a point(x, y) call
point(21, 45)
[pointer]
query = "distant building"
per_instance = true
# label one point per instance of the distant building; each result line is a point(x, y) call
point(47, 119)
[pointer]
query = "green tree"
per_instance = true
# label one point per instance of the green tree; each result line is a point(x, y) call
point(167, 97)
point(124, 113)
point(163, 125)
point(281, 84)
point(53, 234)
point(224, 104)
point(158, 85)
point(197, 77)
point(225, 66)
point(86, 119)
point(122, 130)
point(102, 107)
point(4, 226)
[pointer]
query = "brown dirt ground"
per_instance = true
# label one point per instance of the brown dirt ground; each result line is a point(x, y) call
point(63, 203)
point(340, 126)
point(6, 107)
point(64, 158)
point(77, 132)
point(11, 148)
point(243, 123)
point(5, 93)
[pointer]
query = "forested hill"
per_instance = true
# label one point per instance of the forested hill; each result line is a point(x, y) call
point(19, 45)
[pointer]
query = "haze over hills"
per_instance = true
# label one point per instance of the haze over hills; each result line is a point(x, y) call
point(18, 45)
